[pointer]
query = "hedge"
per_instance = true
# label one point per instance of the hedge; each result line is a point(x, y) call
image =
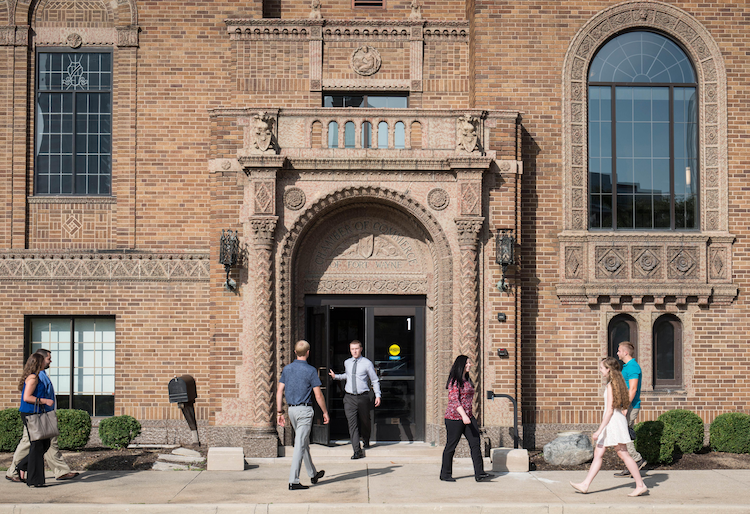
point(75, 428)
point(730, 432)
point(648, 442)
point(11, 429)
point(684, 429)
point(119, 431)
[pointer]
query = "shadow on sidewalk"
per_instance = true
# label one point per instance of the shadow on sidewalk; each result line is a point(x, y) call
point(361, 473)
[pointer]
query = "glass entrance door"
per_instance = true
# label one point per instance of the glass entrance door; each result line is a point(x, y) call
point(392, 331)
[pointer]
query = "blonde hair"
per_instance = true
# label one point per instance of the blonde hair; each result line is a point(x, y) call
point(301, 348)
point(620, 396)
point(629, 346)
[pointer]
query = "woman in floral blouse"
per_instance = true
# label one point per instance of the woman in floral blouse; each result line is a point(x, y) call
point(459, 420)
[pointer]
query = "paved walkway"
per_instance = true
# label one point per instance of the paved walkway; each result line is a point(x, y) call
point(387, 481)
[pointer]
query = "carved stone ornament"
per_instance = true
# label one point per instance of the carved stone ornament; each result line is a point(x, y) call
point(294, 198)
point(74, 40)
point(366, 61)
point(265, 141)
point(416, 10)
point(315, 10)
point(438, 199)
point(466, 134)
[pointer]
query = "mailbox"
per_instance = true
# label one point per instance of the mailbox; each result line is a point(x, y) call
point(182, 391)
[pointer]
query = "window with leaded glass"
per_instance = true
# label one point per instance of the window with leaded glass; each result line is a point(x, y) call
point(73, 143)
point(642, 135)
point(83, 360)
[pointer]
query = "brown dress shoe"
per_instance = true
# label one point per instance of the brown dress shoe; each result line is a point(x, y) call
point(68, 476)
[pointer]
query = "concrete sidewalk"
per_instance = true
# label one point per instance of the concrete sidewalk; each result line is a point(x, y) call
point(381, 483)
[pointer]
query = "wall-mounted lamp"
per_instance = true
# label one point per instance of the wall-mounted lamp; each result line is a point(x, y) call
point(228, 254)
point(505, 244)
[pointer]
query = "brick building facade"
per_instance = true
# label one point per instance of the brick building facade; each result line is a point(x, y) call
point(369, 156)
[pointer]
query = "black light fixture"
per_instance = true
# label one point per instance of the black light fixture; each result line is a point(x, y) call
point(228, 253)
point(505, 244)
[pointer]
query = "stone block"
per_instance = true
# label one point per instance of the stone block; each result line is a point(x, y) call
point(225, 459)
point(569, 449)
point(510, 460)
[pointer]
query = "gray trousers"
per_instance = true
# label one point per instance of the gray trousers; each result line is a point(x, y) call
point(632, 416)
point(301, 418)
point(53, 458)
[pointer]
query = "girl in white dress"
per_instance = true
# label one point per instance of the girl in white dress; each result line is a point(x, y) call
point(613, 430)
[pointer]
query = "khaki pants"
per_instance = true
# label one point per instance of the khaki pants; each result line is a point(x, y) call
point(632, 416)
point(53, 458)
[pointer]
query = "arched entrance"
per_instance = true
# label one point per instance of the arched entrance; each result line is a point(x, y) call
point(368, 268)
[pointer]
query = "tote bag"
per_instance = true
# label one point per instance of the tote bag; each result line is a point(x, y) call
point(42, 425)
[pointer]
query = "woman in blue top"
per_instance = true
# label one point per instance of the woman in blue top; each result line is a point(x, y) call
point(33, 390)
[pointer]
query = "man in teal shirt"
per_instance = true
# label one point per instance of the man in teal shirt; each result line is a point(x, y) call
point(631, 372)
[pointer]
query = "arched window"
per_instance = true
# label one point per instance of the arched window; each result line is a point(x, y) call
point(382, 134)
point(366, 135)
point(333, 135)
point(667, 351)
point(399, 135)
point(622, 328)
point(349, 136)
point(642, 135)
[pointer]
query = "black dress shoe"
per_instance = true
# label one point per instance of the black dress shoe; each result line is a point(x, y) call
point(367, 443)
point(297, 487)
point(447, 479)
point(481, 477)
point(359, 454)
point(318, 476)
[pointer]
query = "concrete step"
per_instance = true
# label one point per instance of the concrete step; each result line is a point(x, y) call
point(385, 449)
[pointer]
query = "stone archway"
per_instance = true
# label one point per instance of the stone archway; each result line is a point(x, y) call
point(423, 250)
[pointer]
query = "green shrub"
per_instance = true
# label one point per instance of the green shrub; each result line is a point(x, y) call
point(730, 432)
point(119, 431)
point(75, 428)
point(684, 429)
point(11, 429)
point(648, 441)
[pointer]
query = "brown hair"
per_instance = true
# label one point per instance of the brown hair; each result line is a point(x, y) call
point(620, 397)
point(357, 341)
point(34, 365)
point(629, 346)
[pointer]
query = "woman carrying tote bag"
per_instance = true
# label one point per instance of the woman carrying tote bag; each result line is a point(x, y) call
point(35, 397)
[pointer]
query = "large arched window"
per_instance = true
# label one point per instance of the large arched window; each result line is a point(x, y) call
point(642, 135)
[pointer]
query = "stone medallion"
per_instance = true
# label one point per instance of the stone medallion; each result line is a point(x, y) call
point(438, 199)
point(294, 198)
point(74, 40)
point(365, 61)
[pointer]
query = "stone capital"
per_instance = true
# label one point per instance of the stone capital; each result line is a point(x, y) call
point(263, 228)
point(468, 229)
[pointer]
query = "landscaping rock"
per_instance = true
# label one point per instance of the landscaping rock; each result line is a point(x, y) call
point(569, 449)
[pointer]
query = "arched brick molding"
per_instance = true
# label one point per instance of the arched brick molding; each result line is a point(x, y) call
point(709, 66)
point(439, 297)
point(125, 14)
point(604, 265)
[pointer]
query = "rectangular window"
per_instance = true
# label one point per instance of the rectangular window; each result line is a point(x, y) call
point(73, 146)
point(83, 360)
point(368, 3)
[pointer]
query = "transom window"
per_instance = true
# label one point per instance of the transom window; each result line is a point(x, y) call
point(642, 135)
point(83, 360)
point(73, 147)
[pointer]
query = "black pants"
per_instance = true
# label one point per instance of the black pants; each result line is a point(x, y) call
point(33, 463)
point(455, 428)
point(357, 410)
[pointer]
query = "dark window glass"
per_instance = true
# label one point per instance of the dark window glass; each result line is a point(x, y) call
point(643, 148)
point(622, 328)
point(73, 123)
point(667, 340)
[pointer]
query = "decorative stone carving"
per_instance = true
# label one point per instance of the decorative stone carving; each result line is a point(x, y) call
point(416, 10)
point(470, 198)
point(265, 140)
point(349, 286)
point(610, 262)
point(683, 262)
point(573, 256)
point(467, 137)
point(438, 199)
point(264, 197)
point(127, 37)
point(645, 261)
point(294, 198)
point(72, 225)
point(74, 40)
point(365, 61)
point(226, 165)
point(315, 10)
point(716, 259)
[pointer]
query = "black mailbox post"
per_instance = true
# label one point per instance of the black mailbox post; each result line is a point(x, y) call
point(182, 392)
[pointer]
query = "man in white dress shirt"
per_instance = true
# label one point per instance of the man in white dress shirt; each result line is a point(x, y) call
point(357, 372)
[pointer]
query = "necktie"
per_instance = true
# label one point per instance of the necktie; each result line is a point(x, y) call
point(354, 377)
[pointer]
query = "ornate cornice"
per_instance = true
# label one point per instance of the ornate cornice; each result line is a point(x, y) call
point(43, 200)
point(118, 267)
point(14, 35)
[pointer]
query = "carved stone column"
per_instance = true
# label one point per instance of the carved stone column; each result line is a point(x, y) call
point(468, 232)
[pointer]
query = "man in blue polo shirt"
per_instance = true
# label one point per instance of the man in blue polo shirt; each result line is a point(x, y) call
point(631, 372)
point(299, 381)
